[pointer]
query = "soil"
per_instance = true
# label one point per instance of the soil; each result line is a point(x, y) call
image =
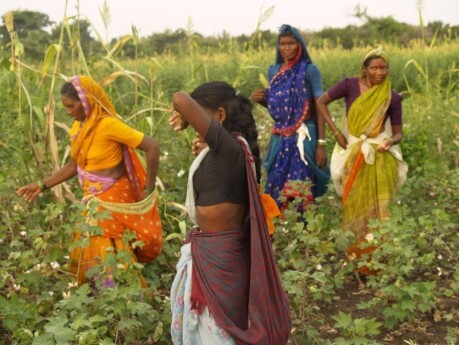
point(427, 329)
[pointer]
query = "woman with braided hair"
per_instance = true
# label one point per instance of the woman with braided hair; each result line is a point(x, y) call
point(227, 289)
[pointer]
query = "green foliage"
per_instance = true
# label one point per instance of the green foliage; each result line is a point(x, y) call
point(356, 331)
point(417, 250)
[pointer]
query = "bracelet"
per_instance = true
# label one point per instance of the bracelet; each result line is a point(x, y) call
point(336, 133)
point(41, 185)
point(391, 141)
point(322, 142)
point(149, 190)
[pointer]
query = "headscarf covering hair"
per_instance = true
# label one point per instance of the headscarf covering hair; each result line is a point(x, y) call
point(284, 30)
point(96, 105)
point(373, 53)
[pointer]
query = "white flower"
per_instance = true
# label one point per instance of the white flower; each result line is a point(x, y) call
point(23, 233)
point(17, 287)
point(72, 285)
point(440, 272)
point(319, 267)
point(439, 257)
point(50, 293)
point(369, 237)
point(66, 295)
point(180, 173)
point(55, 265)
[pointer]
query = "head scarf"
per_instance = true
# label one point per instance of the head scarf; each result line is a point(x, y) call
point(285, 29)
point(378, 52)
point(96, 106)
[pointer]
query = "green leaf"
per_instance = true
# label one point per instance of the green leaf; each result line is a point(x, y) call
point(56, 327)
point(343, 320)
point(44, 339)
point(158, 332)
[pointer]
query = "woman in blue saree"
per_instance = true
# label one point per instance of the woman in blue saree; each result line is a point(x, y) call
point(297, 149)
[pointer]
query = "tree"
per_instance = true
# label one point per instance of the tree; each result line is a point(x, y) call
point(79, 33)
point(30, 28)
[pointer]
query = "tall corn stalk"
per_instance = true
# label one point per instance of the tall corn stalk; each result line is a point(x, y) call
point(50, 109)
point(16, 65)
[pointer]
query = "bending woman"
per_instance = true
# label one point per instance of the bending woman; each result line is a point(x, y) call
point(297, 149)
point(367, 165)
point(111, 173)
point(227, 289)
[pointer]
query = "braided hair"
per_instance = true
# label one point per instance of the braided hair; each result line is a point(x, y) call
point(238, 108)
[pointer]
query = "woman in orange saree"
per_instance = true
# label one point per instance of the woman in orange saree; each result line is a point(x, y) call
point(110, 173)
point(367, 165)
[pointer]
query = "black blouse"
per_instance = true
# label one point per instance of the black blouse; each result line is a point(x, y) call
point(221, 176)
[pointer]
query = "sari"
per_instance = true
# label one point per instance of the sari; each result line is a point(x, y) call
point(227, 289)
point(121, 197)
point(292, 148)
point(367, 179)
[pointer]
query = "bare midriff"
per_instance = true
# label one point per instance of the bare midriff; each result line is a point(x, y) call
point(221, 217)
point(115, 172)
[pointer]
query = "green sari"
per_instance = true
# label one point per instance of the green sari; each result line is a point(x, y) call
point(367, 179)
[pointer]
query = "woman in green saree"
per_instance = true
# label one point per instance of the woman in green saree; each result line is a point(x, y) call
point(367, 165)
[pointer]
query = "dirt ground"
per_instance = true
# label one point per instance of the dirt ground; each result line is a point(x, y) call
point(428, 329)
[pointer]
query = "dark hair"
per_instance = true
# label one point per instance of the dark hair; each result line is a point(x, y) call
point(286, 30)
point(238, 108)
point(68, 90)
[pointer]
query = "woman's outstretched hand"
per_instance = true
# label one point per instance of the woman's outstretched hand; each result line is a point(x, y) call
point(30, 191)
point(176, 121)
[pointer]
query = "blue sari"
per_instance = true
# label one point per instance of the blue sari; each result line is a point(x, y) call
point(288, 100)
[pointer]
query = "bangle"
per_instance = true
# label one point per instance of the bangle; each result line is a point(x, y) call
point(336, 133)
point(390, 140)
point(149, 190)
point(41, 185)
point(322, 142)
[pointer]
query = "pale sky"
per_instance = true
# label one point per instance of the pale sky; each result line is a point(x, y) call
point(212, 17)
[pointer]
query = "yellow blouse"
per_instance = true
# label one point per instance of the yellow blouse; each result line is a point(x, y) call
point(106, 150)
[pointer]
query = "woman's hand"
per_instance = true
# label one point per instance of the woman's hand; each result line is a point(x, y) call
point(30, 191)
point(341, 140)
point(144, 194)
point(258, 95)
point(198, 145)
point(321, 156)
point(176, 121)
point(385, 145)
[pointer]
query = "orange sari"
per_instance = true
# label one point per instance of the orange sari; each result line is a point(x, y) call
point(122, 197)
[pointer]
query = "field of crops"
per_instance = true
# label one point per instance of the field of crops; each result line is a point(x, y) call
point(414, 298)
